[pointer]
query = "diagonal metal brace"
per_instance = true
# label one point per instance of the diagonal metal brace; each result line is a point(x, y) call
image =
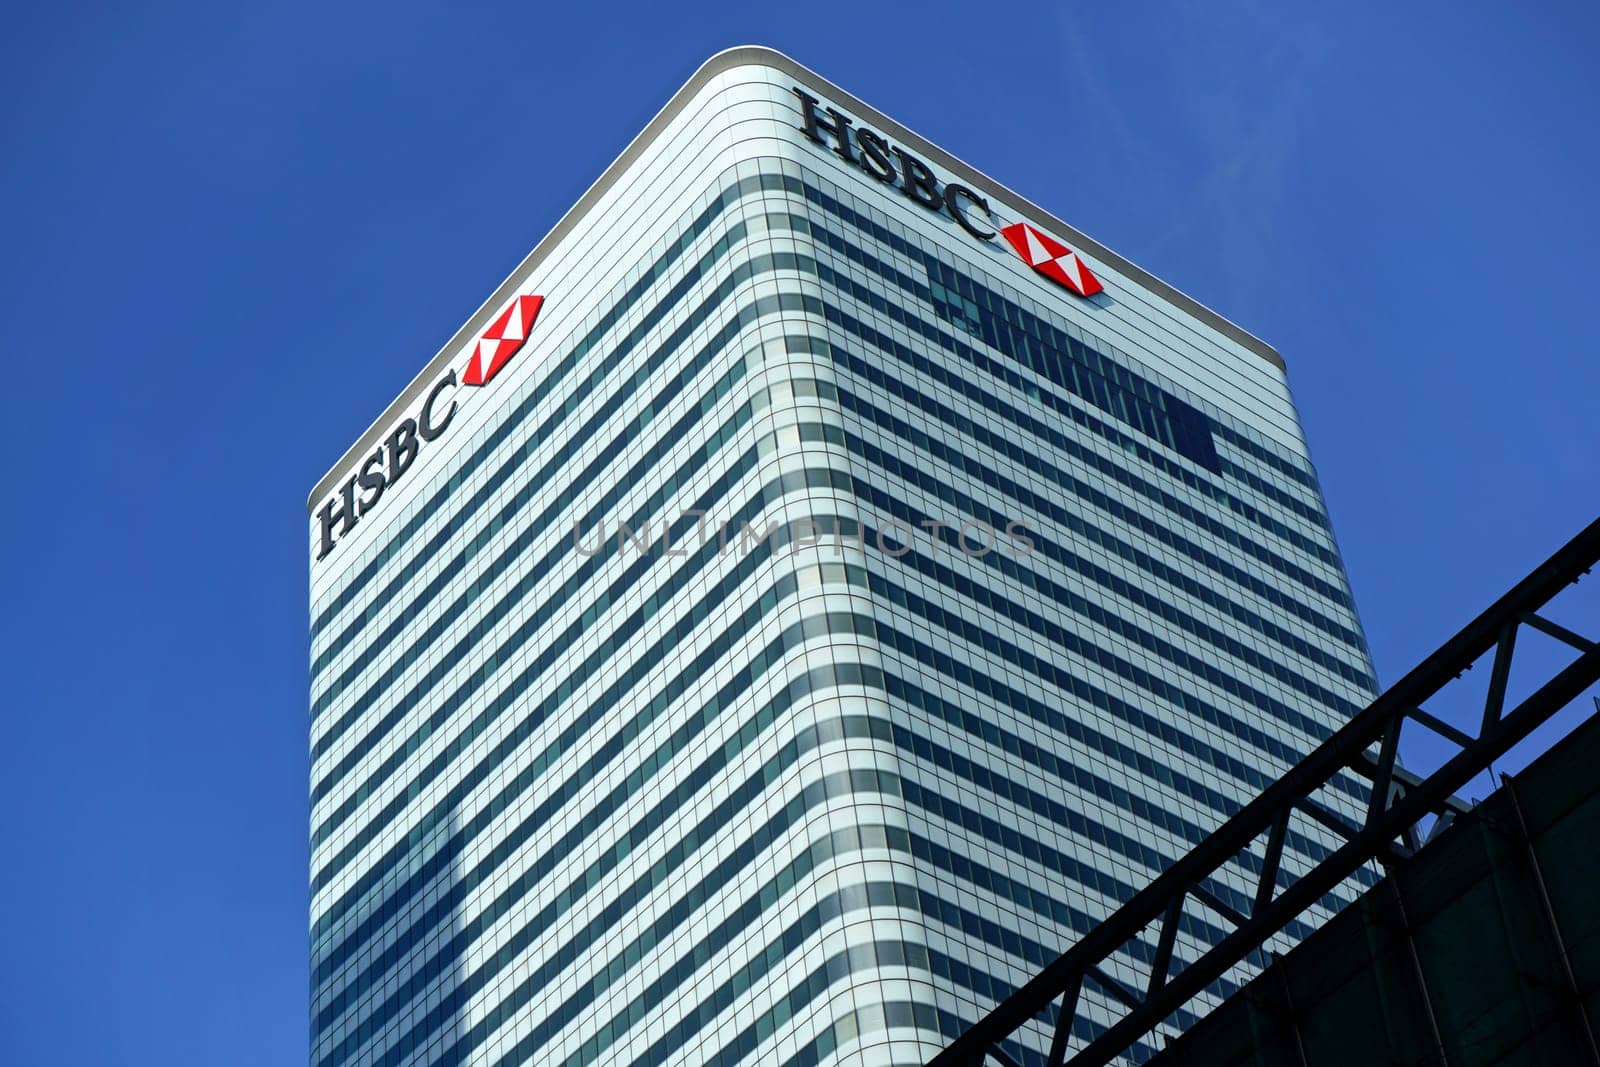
point(1269, 812)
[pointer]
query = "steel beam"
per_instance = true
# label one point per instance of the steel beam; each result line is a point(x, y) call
point(1390, 815)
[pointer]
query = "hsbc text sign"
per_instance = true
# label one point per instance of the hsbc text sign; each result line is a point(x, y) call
point(893, 165)
point(388, 463)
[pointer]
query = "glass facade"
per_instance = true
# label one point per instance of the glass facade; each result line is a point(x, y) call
point(818, 627)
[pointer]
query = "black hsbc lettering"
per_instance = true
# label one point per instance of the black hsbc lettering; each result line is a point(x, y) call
point(371, 481)
point(429, 428)
point(836, 126)
point(384, 467)
point(875, 156)
point(832, 129)
point(346, 516)
point(953, 195)
point(919, 184)
point(402, 447)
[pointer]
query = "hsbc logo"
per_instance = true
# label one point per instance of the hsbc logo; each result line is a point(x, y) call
point(893, 165)
point(1051, 258)
point(503, 338)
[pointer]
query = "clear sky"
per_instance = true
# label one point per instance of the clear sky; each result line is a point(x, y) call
point(231, 234)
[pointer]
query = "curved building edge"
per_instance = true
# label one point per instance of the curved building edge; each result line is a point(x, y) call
point(741, 56)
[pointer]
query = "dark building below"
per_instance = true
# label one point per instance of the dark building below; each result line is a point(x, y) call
point(1482, 949)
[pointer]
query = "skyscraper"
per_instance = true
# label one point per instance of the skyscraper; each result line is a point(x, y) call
point(811, 590)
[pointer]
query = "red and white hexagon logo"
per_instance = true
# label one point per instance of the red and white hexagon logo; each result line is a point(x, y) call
point(503, 339)
point(1051, 258)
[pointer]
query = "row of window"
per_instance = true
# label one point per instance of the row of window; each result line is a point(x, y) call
point(925, 655)
point(976, 635)
point(957, 459)
point(327, 696)
point(679, 577)
point(912, 695)
point(857, 1023)
point(649, 883)
point(852, 1024)
point(482, 627)
point(510, 425)
point(597, 708)
point(1051, 352)
point(1336, 706)
point(530, 931)
point(416, 648)
point(667, 980)
point(583, 347)
point(487, 619)
point(922, 480)
point(837, 845)
point(870, 1018)
point(1052, 719)
point(1270, 593)
point(1127, 516)
point(1069, 412)
point(1029, 458)
point(893, 312)
point(537, 483)
point(1086, 738)
point(531, 718)
point(980, 776)
point(1116, 470)
point(872, 956)
point(935, 267)
point(549, 807)
point(1064, 770)
point(485, 624)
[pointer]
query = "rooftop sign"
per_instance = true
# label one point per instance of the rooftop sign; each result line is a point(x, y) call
point(893, 165)
point(388, 463)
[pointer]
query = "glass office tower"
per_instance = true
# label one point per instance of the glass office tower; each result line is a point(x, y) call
point(814, 588)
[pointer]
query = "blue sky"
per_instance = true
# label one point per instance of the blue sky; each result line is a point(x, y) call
point(232, 234)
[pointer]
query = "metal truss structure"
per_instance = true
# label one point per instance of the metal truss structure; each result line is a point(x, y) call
point(1367, 746)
